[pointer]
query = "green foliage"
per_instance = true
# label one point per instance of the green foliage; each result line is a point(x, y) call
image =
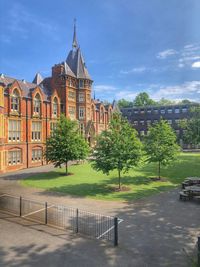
point(122, 103)
point(160, 144)
point(117, 148)
point(143, 99)
point(164, 101)
point(192, 127)
point(66, 143)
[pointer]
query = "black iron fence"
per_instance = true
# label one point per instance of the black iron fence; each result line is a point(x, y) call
point(90, 224)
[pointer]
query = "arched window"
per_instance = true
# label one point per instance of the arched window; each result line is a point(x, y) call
point(15, 100)
point(37, 104)
point(55, 107)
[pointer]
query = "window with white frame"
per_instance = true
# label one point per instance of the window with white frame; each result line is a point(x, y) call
point(81, 83)
point(135, 123)
point(15, 100)
point(155, 121)
point(71, 95)
point(53, 126)
point(177, 110)
point(81, 113)
point(36, 131)
point(170, 122)
point(14, 157)
point(37, 155)
point(81, 97)
point(184, 110)
point(149, 111)
point(14, 130)
point(136, 111)
point(55, 107)
point(177, 121)
point(162, 111)
point(37, 104)
point(142, 133)
point(142, 122)
point(148, 122)
point(169, 111)
point(72, 112)
point(155, 111)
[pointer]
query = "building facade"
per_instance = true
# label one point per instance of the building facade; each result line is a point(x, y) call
point(29, 111)
point(143, 117)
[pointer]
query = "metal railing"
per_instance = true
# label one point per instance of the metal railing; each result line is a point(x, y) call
point(90, 224)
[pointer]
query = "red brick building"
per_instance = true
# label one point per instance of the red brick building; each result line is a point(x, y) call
point(29, 111)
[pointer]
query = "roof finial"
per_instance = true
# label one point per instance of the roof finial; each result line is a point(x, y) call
point(75, 43)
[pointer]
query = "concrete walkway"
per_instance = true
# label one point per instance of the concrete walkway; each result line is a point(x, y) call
point(154, 232)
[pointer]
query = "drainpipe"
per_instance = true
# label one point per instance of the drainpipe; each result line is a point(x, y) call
point(27, 147)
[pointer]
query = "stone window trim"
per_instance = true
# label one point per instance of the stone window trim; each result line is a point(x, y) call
point(55, 105)
point(15, 101)
point(14, 157)
point(81, 112)
point(37, 154)
point(14, 130)
point(36, 131)
point(37, 105)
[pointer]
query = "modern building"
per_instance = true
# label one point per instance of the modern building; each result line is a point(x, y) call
point(143, 117)
point(29, 111)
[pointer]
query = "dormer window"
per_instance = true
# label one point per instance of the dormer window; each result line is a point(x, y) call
point(37, 104)
point(55, 107)
point(81, 83)
point(15, 101)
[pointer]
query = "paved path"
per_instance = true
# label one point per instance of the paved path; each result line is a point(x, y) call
point(154, 232)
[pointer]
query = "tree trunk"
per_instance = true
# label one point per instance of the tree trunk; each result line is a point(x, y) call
point(66, 167)
point(119, 175)
point(159, 170)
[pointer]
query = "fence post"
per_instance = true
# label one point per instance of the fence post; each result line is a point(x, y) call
point(20, 206)
point(76, 220)
point(198, 250)
point(46, 213)
point(115, 231)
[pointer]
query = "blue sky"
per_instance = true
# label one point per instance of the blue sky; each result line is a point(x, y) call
point(129, 46)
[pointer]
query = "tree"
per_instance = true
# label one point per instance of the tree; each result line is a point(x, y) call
point(66, 143)
point(143, 99)
point(160, 144)
point(163, 101)
point(192, 127)
point(122, 103)
point(117, 148)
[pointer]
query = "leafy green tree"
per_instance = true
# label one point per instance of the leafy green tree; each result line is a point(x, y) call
point(160, 144)
point(117, 148)
point(66, 143)
point(143, 99)
point(123, 103)
point(192, 127)
point(163, 101)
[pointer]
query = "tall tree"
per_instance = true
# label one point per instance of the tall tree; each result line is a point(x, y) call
point(117, 148)
point(143, 99)
point(123, 103)
point(163, 101)
point(160, 144)
point(192, 127)
point(66, 143)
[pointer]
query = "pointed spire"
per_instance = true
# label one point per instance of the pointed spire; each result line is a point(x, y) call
point(38, 78)
point(75, 43)
point(94, 95)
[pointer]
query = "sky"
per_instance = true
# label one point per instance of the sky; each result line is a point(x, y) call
point(129, 46)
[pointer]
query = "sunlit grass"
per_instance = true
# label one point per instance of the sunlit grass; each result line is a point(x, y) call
point(86, 182)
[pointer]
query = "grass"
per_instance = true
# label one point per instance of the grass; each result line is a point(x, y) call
point(86, 182)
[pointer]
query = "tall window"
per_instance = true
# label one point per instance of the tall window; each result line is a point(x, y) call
point(14, 157)
point(37, 155)
point(72, 112)
point(81, 113)
point(36, 131)
point(15, 101)
point(55, 107)
point(14, 130)
point(53, 126)
point(82, 128)
point(81, 83)
point(71, 95)
point(81, 97)
point(37, 104)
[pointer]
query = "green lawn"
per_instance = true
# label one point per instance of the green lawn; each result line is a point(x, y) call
point(85, 182)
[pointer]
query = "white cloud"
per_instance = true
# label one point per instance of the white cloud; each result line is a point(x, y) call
point(196, 64)
point(126, 94)
point(166, 53)
point(104, 88)
point(134, 70)
point(191, 89)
